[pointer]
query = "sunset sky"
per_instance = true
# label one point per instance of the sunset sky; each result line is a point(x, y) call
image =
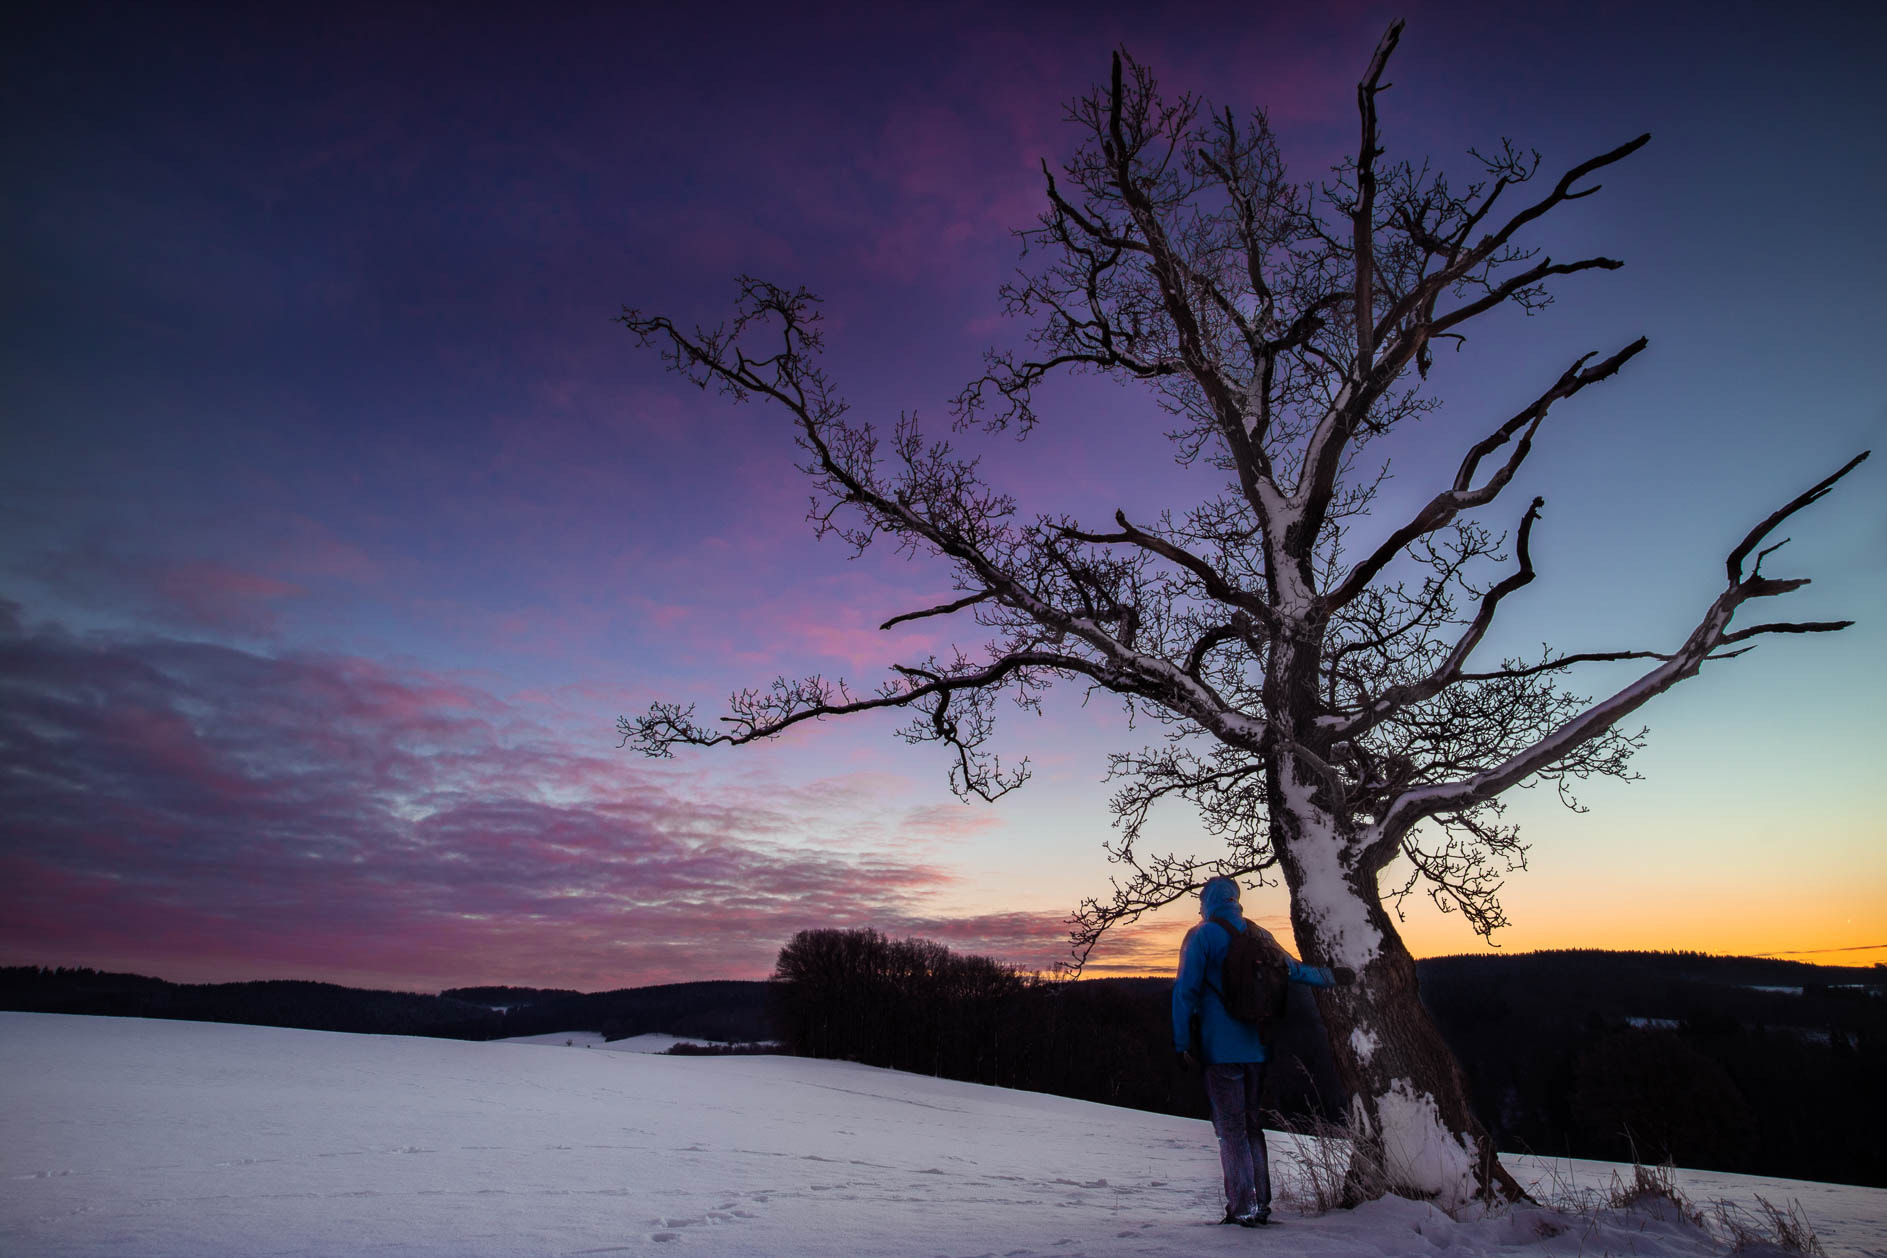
point(338, 522)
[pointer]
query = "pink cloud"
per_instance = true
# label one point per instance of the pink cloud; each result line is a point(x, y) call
point(214, 812)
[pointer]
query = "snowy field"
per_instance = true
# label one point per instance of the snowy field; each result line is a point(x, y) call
point(129, 1138)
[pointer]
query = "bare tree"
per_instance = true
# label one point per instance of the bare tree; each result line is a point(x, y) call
point(1323, 709)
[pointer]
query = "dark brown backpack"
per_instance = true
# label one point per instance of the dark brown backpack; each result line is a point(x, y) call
point(1254, 981)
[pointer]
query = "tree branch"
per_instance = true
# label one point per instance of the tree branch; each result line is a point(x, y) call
point(1734, 564)
point(981, 596)
point(759, 715)
point(1562, 661)
point(1711, 633)
point(1449, 671)
point(1363, 217)
point(1216, 585)
point(1462, 495)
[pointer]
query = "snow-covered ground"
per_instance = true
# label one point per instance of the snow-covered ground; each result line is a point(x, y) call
point(127, 1137)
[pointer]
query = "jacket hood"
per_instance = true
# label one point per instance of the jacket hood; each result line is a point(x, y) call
point(1219, 898)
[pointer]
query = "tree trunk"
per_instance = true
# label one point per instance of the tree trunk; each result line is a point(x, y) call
point(1409, 1104)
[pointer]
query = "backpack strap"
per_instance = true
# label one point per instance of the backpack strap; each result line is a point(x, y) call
point(1230, 935)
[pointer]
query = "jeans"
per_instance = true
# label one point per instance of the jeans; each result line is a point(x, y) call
point(1232, 1089)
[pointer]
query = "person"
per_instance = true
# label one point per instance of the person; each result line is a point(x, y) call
point(1231, 1051)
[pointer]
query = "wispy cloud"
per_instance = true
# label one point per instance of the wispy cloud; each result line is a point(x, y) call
point(195, 593)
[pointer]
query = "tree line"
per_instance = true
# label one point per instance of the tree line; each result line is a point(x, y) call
point(1742, 1064)
point(712, 1010)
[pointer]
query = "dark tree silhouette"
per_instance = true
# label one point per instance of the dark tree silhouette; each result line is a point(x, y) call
point(910, 1004)
point(1323, 704)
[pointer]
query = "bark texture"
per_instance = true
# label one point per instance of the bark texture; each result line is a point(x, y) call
point(1409, 1101)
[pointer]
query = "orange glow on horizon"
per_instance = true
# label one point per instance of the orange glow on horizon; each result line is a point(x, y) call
point(1840, 930)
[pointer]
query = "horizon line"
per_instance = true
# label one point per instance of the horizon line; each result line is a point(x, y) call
point(1083, 977)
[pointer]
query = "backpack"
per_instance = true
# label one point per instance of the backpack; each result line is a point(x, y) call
point(1254, 986)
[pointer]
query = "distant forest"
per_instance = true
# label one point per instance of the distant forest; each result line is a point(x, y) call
point(721, 1011)
point(1724, 1063)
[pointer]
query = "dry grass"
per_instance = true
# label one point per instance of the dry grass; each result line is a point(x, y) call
point(1652, 1190)
point(1769, 1227)
point(1317, 1177)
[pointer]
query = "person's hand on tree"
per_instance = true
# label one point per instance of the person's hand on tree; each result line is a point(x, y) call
point(1344, 976)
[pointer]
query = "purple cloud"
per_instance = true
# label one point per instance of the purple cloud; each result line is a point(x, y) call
point(203, 811)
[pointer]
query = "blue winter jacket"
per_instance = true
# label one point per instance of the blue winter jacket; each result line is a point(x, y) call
point(1223, 1039)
